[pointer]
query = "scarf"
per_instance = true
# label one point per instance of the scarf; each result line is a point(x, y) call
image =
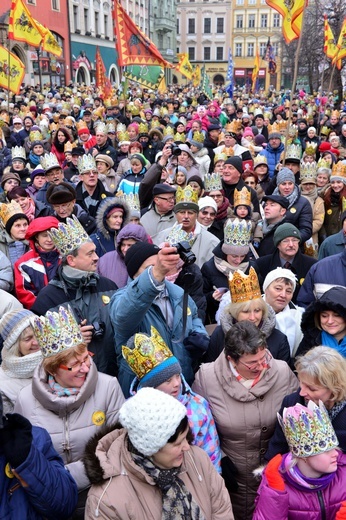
point(34, 159)
point(19, 367)
point(329, 341)
point(83, 282)
point(30, 212)
point(50, 260)
point(247, 383)
point(311, 197)
point(225, 268)
point(291, 198)
point(177, 501)
point(222, 211)
point(59, 390)
point(266, 228)
point(296, 478)
point(336, 409)
point(172, 277)
point(16, 249)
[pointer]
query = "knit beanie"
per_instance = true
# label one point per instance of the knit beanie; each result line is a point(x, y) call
point(285, 231)
point(37, 171)
point(13, 219)
point(139, 158)
point(274, 135)
point(236, 162)
point(12, 325)
point(198, 179)
point(137, 254)
point(207, 202)
point(279, 272)
point(285, 174)
point(151, 417)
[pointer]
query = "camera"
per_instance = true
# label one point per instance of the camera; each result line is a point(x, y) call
point(175, 149)
point(185, 253)
point(99, 329)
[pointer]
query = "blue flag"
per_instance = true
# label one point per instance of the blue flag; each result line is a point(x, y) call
point(229, 88)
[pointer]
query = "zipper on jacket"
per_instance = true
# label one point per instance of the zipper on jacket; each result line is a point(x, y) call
point(66, 444)
point(322, 506)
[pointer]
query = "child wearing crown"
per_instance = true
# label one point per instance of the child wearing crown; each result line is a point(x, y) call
point(309, 482)
point(243, 209)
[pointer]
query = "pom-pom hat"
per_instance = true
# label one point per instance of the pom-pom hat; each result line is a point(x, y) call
point(151, 417)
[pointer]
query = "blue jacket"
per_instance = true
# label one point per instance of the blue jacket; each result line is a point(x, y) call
point(273, 157)
point(133, 309)
point(51, 492)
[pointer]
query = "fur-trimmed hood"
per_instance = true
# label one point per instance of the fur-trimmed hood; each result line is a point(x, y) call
point(103, 210)
point(267, 325)
point(334, 300)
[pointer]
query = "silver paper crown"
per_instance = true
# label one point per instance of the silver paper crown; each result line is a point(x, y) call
point(69, 236)
point(177, 234)
point(86, 163)
point(131, 199)
point(237, 232)
point(308, 172)
point(49, 161)
point(212, 182)
point(101, 127)
point(18, 152)
point(293, 151)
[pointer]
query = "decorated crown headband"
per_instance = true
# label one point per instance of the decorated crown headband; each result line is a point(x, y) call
point(213, 182)
point(86, 163)
point(237, 232)
point(8, 210)
point(49, 161)
point(186, 194)
point(68, 237)
point(244, 287)
point(242, 197)
point(177, 234)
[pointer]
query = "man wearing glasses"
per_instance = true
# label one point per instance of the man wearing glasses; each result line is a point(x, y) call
point(160, 216)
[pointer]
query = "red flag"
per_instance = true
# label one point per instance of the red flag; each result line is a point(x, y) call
point(102, 81)
point(133, 46)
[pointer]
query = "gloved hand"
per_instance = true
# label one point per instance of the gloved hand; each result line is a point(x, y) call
point(197, 342)
point(16, 439)
point(274, 477)
point(341, 514)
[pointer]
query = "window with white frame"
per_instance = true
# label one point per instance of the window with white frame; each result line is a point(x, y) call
point(264, 20)
point(238, 50)
point(207, 25)
point(251, 21)
point(206, 53)
point(191, 53)
point(239, 21)
point(191, 26)
point(276, 20)
point(220, 25)
point(250, 49)
point(262, 49)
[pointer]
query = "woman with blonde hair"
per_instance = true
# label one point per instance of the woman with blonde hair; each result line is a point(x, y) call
point(321, 373)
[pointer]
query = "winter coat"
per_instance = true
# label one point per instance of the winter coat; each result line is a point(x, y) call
point(105, 238)
point(203, 160)
point(112, 264)
point(51, 492)
point(278, 442)
point(135, 308)
point(106, 149)
point(88, 222)
point(131, 181)
point(6, 273)
point(153, 222)
point(41, 195)
point(42, 210)
point(334, 300)
point(202, 247)
point(72, 420)
point(123, 491)
point(317, 218)
point(276, 341)
point(300, 215)
point(8, 247)
point(190, 278)
point(273, 157)
point(245, 419)
point(89, 299)
point(296, 504)
point(328, 271)
point(300, 267)
point(110, 180)
point(151, 177)
point(266, 245)
point(98, 196)
point(5, 157)
point(332, 245)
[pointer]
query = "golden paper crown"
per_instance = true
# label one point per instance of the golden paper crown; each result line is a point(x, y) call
point(308, 173)
point(154, 124)
point(69, 236)
point(242, 197)
point(86, 163)
point(228, 151)
point(9, 210)
point(149, 352)
point(339, 170)
point(198, 136)
point(70, 121)
point(335, 113)
point(68, 146)
point(279, 126)
point(234, 126)
point(168, 130)
point(124, 137)
point(164, 111)
point(187, 195)
point(121, 127)
point(18, 152)
point(213, 182)
point(325, 130)
point(260, 159)
point(81, 124)
point(343, 204)
point(220, 157)
point(98, 113)
point(35, 135)
point(56, 331)
point(310, 148)
point(308, 429)
point(49, 161)
point(180, 137)
point(143, 128)
point(323, 163)
point(244, 287)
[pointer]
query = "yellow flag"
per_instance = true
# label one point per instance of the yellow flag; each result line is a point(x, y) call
point(49, 43)
point(162, 88)
point(341, 46)
point(255, 71)
point(291, 12)
point(197, 76)
point(12, 71)
point(184, 66)
point(22, 27)
point(329, 41)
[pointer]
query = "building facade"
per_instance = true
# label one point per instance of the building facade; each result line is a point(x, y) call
point(162, 29)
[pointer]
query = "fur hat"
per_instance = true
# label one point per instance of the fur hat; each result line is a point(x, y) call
point(61, 193)
point(151, 417)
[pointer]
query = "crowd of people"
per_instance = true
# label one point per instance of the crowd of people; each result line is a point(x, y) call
point(173, 305)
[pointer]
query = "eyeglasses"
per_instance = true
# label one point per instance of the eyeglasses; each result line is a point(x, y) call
point(65, 205)
point(290, 241)
point(207, 213)
point(264, 361)
point(78, 364)
point(168, 199)
point(216, 196)
point(89, 173)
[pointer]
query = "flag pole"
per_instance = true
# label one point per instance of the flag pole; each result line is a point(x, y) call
point(295, 75)
point(9, 74)
point(332, 74)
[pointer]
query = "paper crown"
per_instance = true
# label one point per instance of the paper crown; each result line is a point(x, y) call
point(168, 130)
point(56, 331)
point(148, 354)
point(121, 127)
point(308, 430)
point(310, 148)
point(198, 136)
point(335, 113)
point(53, 127)
point(242, 197)
point(323, 163)
point(180, 137)
point(131, 199)
point(154, 124)
point(292, 131)
point(35, 135)
point(279, 126)
point(237, 232)
point(49, 161)
point(143, 128)
point(18, 152)
point(8, 210)
point(111, 128)
point(339, 170)
point(244, 287)
point(343, 204)
point(123, 137)
point(186, 194)
point(293, 151)
point(260, 159)
point(308, 172)
point(234, 126)
point(69, 236)
point(325, 130)
point(81, 125)
point(101, 128)
point(213, 182)
point(220, 157)
point(68, 146)
point(86, 163)
point(177, 234)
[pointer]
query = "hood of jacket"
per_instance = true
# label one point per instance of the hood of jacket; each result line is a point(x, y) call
point(202, 152)
point(334, 300)
point(267, 325)
point(103, 210)
point(134, 231)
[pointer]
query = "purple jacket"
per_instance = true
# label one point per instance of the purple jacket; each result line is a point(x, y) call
point(112, 265)
point(294, 504)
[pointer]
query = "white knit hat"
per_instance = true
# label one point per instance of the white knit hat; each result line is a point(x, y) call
point(207, 202)
point(279, 272)
point(151, 417)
